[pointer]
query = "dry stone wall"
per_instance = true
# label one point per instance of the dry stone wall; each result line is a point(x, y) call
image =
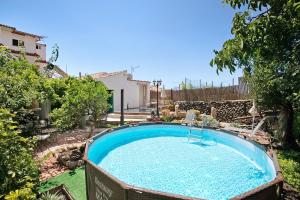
point(227, 111)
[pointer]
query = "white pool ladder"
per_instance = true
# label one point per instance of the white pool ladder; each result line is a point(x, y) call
point(190, 120)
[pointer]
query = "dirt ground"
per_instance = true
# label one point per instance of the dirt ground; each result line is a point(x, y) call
point(47, 150)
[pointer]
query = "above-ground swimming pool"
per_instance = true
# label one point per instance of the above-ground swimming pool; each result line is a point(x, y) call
point(178, 160)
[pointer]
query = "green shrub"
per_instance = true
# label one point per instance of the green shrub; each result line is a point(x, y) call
point(18, 171)
point(171, 107)
point(25, 193)
point(208, 120)
point(167, 118)
point(82, 97)
point(165, 112)
point(20, 82)
point(236, 125)
point(55, 90)
point(289, 161)
point(20, 89)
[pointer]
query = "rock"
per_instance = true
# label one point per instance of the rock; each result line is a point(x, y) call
point(63, 159)
point(75, 155)
point(71, 165)
point(71, 158)
point(213, 112)
point(176, 110)
point(79, 137)
point(80, 163)
point(59, 150)
point(70, 139)
point(71, 147)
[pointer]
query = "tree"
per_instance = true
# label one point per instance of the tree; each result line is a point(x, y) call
point(266, 45)
point(55, 89)
point(82, 97)
point(18, 171)
point(20, 89)
point(20, 82)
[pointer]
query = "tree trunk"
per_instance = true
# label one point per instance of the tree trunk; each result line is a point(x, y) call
point(286, 125)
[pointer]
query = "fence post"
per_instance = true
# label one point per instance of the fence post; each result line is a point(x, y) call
point(185, 92)
point(122, 107)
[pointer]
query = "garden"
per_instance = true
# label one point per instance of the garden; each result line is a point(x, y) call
point(75, 103)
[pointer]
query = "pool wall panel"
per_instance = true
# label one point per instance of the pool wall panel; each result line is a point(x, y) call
point(102, 187)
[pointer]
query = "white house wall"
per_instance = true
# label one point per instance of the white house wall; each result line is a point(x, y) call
point(131, 90)
point(6, 37)
point(144, 96)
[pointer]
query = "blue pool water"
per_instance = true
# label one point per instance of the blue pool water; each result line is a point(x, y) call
point(211, 165)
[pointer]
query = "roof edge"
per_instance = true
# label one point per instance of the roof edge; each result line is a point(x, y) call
point(14, 30)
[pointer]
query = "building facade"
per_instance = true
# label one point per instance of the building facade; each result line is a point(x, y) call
point(21, 42)
point(136, 92)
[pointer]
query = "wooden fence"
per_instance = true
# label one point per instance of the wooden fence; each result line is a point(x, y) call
point(235, 92)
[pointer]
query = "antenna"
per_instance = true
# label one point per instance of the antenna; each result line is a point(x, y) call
point(132, 68)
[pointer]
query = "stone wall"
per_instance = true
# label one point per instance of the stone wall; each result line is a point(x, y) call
point(227, 111)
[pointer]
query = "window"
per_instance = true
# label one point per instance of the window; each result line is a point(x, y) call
point(37, 46)
point(15, 42)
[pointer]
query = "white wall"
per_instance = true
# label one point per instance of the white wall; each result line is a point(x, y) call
point(144, 96)
point(131, 90)
point(6, 37)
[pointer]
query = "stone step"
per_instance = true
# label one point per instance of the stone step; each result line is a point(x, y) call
point(126, 120)
point(126, 116)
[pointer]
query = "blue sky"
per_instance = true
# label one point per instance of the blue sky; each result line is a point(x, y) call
point(168, 39)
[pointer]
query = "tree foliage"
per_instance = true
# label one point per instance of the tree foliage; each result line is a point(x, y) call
point(21, 87)
point(266, 45)
point(18, 171)
point(55, 89)
point(20, 82)
point(82, 97)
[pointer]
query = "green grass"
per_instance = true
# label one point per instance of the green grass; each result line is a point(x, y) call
point(73, 180)
point(289, 161)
